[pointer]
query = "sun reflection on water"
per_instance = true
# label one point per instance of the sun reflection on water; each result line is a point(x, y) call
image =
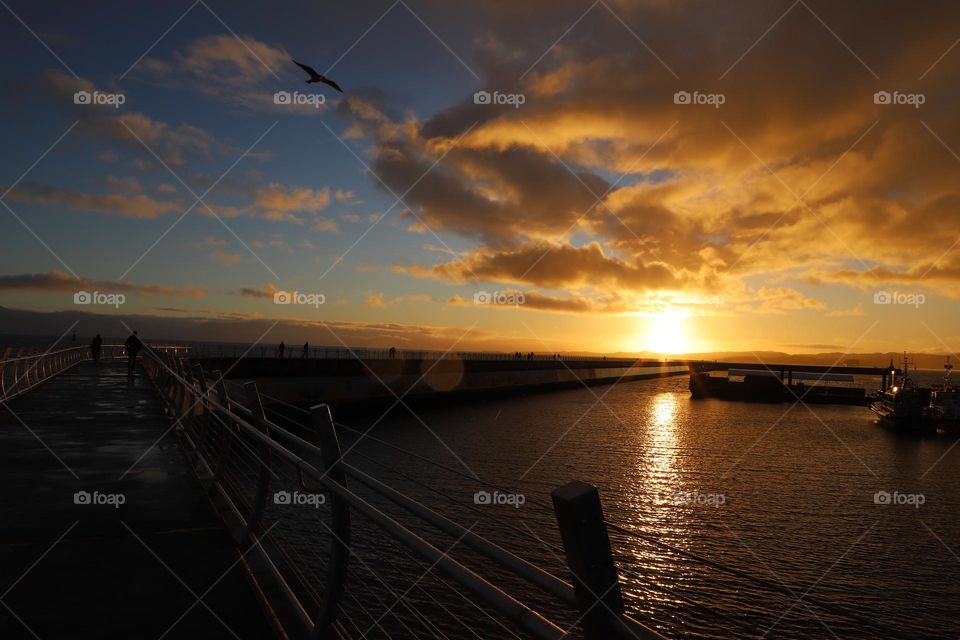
point(659, 471)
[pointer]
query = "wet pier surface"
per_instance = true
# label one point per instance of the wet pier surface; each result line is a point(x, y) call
point(138, 552)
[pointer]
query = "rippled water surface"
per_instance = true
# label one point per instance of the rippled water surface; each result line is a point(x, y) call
point(779, 499)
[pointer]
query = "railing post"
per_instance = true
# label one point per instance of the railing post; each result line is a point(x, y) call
point(326, 438)
point(3, 373)
point(258, 418)
point(203, 406)
point(589, 557)
point(226, 441)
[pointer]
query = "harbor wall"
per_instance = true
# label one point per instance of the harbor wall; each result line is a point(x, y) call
point(302, 381)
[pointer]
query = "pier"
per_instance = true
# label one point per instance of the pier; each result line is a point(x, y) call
point(77, 565)
point(156, 504)
point(351, 377)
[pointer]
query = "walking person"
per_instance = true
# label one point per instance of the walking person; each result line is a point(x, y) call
point(281, 348)
point(95, 346)
point(133, 346)
point(306, 349)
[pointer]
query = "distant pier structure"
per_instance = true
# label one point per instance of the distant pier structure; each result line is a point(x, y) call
point(346, 377)
point(161, 503)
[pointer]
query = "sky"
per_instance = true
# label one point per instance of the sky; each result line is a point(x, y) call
point(614, 176)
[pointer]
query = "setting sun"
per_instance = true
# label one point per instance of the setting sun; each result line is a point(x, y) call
point(665, 333)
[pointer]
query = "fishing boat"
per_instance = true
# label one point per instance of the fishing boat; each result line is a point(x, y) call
point(910, 407)
point(945, 401)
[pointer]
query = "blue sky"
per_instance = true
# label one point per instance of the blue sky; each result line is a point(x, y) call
point(624, 220)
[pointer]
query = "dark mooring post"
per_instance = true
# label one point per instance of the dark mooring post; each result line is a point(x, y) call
point(587, 546)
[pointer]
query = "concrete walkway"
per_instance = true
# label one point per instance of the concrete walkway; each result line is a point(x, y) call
point(159, 565)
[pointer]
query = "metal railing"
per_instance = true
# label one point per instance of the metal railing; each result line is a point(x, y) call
point(254, 469)
point(221, 350)
point(23, 369)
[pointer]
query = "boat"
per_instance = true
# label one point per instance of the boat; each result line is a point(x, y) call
point(910, 407)
point(945, 401)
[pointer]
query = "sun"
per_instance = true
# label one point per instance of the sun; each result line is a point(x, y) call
point(665, 332)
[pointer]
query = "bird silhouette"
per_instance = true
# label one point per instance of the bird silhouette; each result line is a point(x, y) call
point(317, 77)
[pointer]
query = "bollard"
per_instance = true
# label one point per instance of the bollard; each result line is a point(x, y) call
point(589, 558)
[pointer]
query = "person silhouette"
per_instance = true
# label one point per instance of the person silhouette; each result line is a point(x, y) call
point(133, 346)
point(95, 345)
point(306, 349)
point(281, 348)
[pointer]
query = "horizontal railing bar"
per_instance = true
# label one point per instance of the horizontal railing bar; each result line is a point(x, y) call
point(526, 570)
point(508, 606)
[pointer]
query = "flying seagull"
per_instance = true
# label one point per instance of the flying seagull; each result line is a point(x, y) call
point(317, 77)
